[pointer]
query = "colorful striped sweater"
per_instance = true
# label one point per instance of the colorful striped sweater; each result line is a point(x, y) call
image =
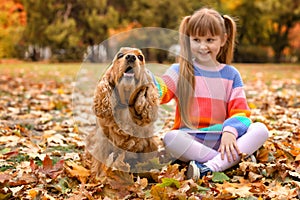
point(219, 101)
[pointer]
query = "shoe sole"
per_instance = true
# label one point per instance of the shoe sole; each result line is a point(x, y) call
point(193, 171)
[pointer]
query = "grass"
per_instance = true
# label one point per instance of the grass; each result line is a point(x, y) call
point(269, 71)
point(58, 71)
point(40, 71)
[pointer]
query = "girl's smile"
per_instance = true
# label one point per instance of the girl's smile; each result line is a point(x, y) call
point(206, 48)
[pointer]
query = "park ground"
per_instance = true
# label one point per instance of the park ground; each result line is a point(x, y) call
point(45, 115)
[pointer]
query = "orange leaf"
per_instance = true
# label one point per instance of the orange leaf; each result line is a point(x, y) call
point(172, 171)
point(77, 171)
point(235, 189)
point(158, 192)
point(52, 170)
point(295, 151)
point(33, 193)
point(297, 157)
point(47, 163)
point(263, 155)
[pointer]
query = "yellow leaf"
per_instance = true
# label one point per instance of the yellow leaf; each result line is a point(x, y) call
point(33, 192)
point(297, 158)
point(60, 91)
point(252, 105)
point(158, 192)
point(75, 128)
point(77, 171)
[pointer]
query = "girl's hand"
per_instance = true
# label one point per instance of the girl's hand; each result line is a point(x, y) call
point(229, 146)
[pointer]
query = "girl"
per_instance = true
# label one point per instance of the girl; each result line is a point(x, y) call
point(212, 126)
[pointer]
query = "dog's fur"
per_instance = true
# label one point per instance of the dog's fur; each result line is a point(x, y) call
point(126, 106)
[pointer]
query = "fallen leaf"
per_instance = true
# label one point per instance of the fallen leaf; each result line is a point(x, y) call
point(219, 177)
point(77, 171)
point(254, 177)
point(158, 193)
point(235, 189)
point(169, 182)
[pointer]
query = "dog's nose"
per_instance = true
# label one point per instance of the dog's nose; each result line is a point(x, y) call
point(130, 58)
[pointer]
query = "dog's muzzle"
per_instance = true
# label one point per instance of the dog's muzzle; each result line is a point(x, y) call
point(130, 58)
point(129, 73)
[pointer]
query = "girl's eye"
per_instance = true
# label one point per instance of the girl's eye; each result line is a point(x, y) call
point(140, 57)
point(210, 40)
point(120, 55)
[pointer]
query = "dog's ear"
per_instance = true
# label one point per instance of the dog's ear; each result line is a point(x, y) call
point(102, 105)
point(110, 75)
point(103, 91)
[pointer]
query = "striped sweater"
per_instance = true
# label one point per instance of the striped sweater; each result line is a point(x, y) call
point(219, 100)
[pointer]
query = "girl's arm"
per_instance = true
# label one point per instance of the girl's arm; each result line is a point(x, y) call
point(167, 84)
point(238, 122)
point(238, 110)
point(165, 95)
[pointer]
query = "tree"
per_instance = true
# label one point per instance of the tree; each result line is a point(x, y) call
point(39, 16)
point(252, 37)
point(155, 13)
point(280, 17)
point(12, 24)
point(263, 24)
point(95, 18)
point(67, 28)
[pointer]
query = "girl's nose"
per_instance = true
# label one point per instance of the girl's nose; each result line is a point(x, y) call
point(202, 45)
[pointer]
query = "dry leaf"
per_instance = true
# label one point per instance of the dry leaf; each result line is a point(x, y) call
point(77, 171)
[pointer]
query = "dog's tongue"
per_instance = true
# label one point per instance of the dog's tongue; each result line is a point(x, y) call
point(129, 72)
point(128, 75)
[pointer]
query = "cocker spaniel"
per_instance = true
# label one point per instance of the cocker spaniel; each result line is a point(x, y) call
point(126, 104)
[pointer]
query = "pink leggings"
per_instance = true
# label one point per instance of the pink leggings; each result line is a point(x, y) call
point(186, 147)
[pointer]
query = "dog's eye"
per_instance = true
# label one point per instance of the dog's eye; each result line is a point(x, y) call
point(120, 55)
point(140, 57)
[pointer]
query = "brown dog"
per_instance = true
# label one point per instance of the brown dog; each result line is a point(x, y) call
point(126, 103)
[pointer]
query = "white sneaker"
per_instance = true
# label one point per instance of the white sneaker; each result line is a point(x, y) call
point(197, 170)
point(193, 172)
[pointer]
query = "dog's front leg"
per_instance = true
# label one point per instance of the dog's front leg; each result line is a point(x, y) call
point(124, 89)
point(143, 104)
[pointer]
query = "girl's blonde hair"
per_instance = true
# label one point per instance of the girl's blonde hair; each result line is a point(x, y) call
point(202, 22)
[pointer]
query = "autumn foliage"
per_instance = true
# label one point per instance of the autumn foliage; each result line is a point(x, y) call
point(42, 147)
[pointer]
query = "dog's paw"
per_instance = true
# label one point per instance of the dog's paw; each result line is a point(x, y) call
point(143, 104)
point(140, 102)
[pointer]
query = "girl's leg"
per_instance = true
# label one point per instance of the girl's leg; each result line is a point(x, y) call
point(251, 141)
point(185, 147)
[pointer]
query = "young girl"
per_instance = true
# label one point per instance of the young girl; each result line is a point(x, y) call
point(212, 126)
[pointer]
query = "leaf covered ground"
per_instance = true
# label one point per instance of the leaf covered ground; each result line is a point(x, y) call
point(42, 130)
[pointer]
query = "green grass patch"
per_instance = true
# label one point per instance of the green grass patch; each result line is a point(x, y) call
point(65, 149)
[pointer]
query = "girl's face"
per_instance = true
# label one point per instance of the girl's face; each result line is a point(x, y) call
point(206, 48)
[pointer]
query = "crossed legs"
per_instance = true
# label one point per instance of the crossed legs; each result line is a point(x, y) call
point(185, 147)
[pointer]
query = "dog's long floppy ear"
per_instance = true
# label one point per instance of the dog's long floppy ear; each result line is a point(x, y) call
point(103, 91)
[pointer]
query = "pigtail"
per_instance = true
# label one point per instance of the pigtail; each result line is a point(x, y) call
point(186, 82)
point(226, 52)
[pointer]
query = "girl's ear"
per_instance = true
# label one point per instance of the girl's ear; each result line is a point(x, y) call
point(224, 39)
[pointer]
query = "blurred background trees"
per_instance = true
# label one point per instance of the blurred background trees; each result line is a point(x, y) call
point(59, 30)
